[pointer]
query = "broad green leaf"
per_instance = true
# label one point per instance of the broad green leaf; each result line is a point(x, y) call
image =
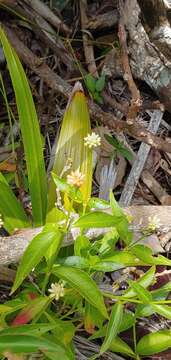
point(146, 280)
point(113, 326)
point(82, 282)
point(92, 318)
point(144, 253)
point(163, 310)
point(100, 83)
point(70, 145)
point(143, 294)
point(128, 319)
point(62, 330)
point(124, 258)
point(144, 310)
point(161, 260)
point(123, 225)
point(96, 219)
point(28, 329)
point(54, 248)
point(118, 345)
point(28, 344)
point(162, 292)
point(154, 343)
point(4, 308)
point(98, 203)
point(30, 132)
point(30, 311)
point(119, 147)
point(90, 83)
point(75, 261)
point(72, 192)
point(81, 245)
point(34, 253)
point(10, 208)
point(108, 242)
point(107, 266)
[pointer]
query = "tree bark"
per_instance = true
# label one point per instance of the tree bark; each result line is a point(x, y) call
point(149, 41)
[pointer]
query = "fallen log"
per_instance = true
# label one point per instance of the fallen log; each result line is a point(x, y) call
point(12, 247)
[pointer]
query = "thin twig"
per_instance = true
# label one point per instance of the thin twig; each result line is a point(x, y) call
point(136, 101)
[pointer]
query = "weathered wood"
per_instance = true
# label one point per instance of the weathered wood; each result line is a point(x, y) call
point(138, 165)
point(13, 247)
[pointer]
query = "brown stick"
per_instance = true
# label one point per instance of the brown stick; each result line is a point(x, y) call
point(135, 101)
point(88, 47)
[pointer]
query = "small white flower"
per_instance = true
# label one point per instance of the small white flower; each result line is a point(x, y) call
point(154, 223)
point(92, 140)
point(57, 290)
point(1, 221)
point(75, 178)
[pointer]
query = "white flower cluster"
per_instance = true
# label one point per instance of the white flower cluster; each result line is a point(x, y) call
point(75, 178)
point(57, 290)
point(92, 140)
point(154, 223)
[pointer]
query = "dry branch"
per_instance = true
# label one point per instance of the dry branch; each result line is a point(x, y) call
point(13, 247)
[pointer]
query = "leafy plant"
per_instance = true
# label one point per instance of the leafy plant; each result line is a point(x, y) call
point(119, 147)
point(95, 86)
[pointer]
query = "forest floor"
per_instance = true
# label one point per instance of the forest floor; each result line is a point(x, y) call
point(60, 47)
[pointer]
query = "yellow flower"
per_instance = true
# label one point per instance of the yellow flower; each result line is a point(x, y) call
point(92, 140)
point(57, 290)
point(76, 178)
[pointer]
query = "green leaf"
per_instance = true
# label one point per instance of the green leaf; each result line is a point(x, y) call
point(28, 329)
point(118, 345)
point(123, 225)
point(124, 258)
point(34, 253)
point(154, 343)
point(98, 98)
point(100, 83)
point(143, 294)
point(72, 192)
point(4, 308)
point(96, 220)
point(10, 208)
point(70, 145)
point(28, 344)
point(30, 133)
point(30, 311)
point(81, 245)
point(128, 320)
point(106, 266)
point(108, 242)
point(98, 203)
point(90, 83)
point(144, 253)
point(163, 310)
point(119, 147)
point(146, 280)
point(113, 326)
point(75, 261)
point(82, 283)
